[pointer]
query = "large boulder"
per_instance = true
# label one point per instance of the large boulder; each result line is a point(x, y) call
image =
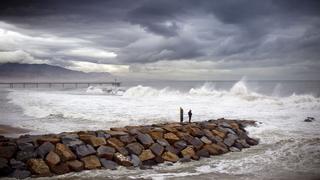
point(75, 165)
point(5, 169)
point(211, 149)
point(91, 162)
point(108, 164)
point(61, 168)
point(188, 152)
point(135, 148)
point(71, 141)
point(64, 152)
point(196, 142)
point(146, 155)
point(44, 149)
point(52, 158)
point(203, 153)
point(116, 133)
point(135, 160)
point(157, 149)
point(219, 133)
point(7, 151)
point(106, 152)
point(127, 139)
point(163, 142)
point(205, 140)
point(25, 155)
point(116, 143)
point(172, 149)
point(15, 164)
point(51, 139)
point(194, 131)
point(230, 139)
point(97, 141)
point(180, 145)
point(20, 174)
point(38, 167)
point(171, 137)
point(145, 140)
point(122, 160)
point(156, 135)
point(169, 156)
point(26, 146)
point(84, 150)
point(252, 142)
point(243, 143)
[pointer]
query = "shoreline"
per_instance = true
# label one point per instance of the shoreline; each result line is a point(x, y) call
point(141, 146)
point(10, 130)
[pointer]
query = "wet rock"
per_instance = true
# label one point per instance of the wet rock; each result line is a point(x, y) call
point(185, 159)
point(7, 151)
point(17, 164)
point(196, 142)
point(26, 146)
point(97, 141)
point(38, 167)
point(220, 148)
point(150, 162)
point(91, 162)
point(85, 137)
point(71, 141)
point(20, 174)
point(51, 139)
point(127, 139)
point(157, 149)
point(75, 165)
point(205, 140)
point(5, 169)
point(116, 133)
point(64, 152)
point(146, 155)
point(252, 142)
point(219, 133)
point(170, 128)
point(26, 139)
point(122, 160)
point(62, 168)
point(227, 130)
point(234, 149)
point(135, 148)
point(156, 135)
point(203, 153)
point(44, 149)
point(225, 125)
point(169, 156)
point(106, 152)
point(25, 155)
point(171, 138)
point(84, 150)
point(145, 140)
point(158, 159)
point(123, 151)
point(52, 159)
point(135, 160)
point(163, 142)
point(211, 149)
point(108, 164)
point(102, 134)
point(114, 142)
point(180, 145)
point(188, 152)
point(243, 143)
point(230, 140)
point(172, 149)
point(194, 131)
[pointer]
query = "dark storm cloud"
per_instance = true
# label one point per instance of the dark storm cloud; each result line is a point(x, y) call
point(232, 34)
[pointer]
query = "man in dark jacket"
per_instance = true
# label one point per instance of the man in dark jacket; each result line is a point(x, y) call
point(190, 115)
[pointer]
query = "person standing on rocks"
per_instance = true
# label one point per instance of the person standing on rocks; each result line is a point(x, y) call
point(181, 115)
point(190, 115)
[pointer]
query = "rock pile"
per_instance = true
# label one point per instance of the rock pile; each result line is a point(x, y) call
point(137, 146)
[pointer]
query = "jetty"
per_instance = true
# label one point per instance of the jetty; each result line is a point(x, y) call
point(55, 84)
point(130, 146)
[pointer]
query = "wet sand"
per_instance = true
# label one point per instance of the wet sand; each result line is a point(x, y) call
point(6, 129)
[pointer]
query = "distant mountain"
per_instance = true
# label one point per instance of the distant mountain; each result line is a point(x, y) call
point(44, 72)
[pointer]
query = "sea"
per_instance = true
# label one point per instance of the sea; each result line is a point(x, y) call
point(289, 147)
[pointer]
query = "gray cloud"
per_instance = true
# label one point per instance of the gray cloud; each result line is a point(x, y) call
point(233, 35)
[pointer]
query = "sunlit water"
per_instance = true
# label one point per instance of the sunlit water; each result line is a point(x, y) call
point(289, 147)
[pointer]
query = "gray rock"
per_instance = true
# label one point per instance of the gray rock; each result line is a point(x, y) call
point(243, 143)
point(229, 141)
point(7, 151)
point(108, 164)
point(103, 135)
point(234, 149)
point(135, 160)
point(71, 141)
point(44, 149)
point(84, 150)
point(20, 174)
point(252, 142)
point(157, 149)
point(25, 155)
point(180, 145)
point(5, 169)
point(196, 142)
point(163, 142)
point(17, 164)
point(127, 139)
point(106, 152)
point(145, 140)
point(185, 159)
point(26, 146)
point(28, 139)
point(203, 153)
point(135, 148)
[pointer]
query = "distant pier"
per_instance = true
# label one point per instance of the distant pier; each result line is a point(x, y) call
point(55, 84)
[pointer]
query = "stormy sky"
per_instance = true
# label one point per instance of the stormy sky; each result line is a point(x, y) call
point(166, 39)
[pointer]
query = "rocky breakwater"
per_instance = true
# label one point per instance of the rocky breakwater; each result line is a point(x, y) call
point(131, 146)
